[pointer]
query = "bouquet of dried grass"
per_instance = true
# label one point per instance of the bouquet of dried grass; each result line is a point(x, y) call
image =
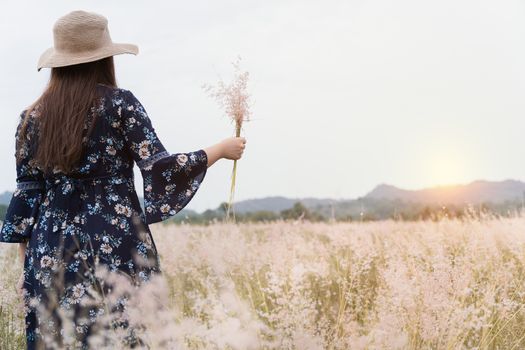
point(234, 99)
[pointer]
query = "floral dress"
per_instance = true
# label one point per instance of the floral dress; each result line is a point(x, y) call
point(93, 215)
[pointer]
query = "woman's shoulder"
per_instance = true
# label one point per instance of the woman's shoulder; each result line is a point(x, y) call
point(28, 114)
point(119, 94)
point(122, 103)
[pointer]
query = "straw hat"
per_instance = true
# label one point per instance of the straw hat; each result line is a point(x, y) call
point(81, 37)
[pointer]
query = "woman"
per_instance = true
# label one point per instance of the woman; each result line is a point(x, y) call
point(75, 204)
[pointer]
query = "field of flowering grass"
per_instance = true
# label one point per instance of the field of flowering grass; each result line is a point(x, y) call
point(380, 285)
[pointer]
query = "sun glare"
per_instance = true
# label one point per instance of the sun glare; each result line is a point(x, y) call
point(446, 169)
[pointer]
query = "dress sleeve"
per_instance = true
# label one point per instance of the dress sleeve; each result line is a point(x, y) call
point(170, 180)
point(22, 212)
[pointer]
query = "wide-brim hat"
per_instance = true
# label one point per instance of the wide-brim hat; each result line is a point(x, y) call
point(81, 37)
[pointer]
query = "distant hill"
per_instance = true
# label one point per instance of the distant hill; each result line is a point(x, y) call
point(476, 192)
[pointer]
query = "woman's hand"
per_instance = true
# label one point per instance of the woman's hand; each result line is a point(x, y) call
point(230, 148)
point(233, 147)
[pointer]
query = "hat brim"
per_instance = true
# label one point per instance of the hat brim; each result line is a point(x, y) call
point(51, 58)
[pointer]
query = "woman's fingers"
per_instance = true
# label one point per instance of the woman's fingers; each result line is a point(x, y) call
point(233, 147)
point(242, 145)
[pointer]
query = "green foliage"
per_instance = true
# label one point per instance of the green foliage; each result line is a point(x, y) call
point(299, 211)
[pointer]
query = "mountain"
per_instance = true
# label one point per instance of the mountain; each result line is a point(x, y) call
point(386, 199)
point(476, 192)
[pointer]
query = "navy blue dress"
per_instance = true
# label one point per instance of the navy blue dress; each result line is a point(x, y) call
point(93, 213)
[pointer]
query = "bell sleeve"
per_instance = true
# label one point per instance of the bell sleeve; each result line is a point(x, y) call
point(169, 180)
point(23, 209)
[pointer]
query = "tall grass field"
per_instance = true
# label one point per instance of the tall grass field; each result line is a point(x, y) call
point(449, 284)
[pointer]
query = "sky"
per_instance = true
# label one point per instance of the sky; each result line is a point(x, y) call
point(346, 94)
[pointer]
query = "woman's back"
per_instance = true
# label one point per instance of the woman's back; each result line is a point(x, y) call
point(93, 215)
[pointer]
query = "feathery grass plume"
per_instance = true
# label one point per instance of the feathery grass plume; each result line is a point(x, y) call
point(234, 98)
point(446, 284)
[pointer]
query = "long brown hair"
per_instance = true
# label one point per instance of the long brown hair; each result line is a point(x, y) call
point(63, 111)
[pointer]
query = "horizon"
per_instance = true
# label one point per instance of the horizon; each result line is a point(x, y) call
point(339, 199)
point(414, 189)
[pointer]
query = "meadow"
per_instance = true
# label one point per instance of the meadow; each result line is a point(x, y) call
point(450, 284)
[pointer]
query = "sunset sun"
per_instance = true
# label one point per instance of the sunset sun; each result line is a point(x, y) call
point(446, 168)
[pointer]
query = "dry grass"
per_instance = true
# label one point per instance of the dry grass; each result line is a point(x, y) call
point(234, 98)
point(384, 285)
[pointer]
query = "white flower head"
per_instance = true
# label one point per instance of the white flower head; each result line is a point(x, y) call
point(106, 248)
point(119, 208)
point(182, 159)
point(123, 209)
point(145, 144)
point(144, 153)
point(127, 211)
point(165, 208)
point(46, 261)
point(78, 291)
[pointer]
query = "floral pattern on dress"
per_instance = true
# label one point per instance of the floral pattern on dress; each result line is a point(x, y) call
point(93, 216)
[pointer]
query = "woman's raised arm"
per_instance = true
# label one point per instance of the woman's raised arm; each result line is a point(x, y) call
point(170, 180)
